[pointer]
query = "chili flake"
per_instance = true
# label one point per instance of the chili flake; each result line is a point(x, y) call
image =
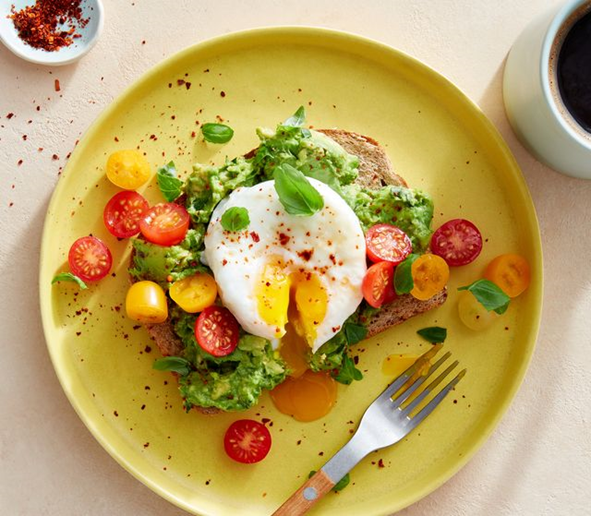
point(42, 25)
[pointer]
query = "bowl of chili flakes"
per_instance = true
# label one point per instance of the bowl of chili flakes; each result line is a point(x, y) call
point(51, 32)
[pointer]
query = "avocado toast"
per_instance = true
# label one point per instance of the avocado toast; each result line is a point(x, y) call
point(360, 171)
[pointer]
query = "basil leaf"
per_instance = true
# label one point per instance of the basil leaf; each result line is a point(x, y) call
point(295, 192)
point(340, 485)
point(503, 308)
point(217, 133)
point(68, 276)
point(348, 372)
point(355, 333)
point(170, 185)
point(433, 334)
point(403, 282)
point(235, 219)
point(297, 119)
point(489, 295)
point(175, 364)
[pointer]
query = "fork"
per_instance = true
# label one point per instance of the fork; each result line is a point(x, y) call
point(385, 422)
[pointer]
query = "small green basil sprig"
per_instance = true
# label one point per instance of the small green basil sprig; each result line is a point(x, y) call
point(433, 334)
point(170, 185)
point(235, 219)
point(403, 282)
point(68, 276)
point(177, 365)
point(297, 120)
point(296, 193)
point(348, 372)
point(217, 133)
point(489, 295)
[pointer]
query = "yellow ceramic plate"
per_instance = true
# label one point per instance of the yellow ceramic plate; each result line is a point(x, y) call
point(438, 141)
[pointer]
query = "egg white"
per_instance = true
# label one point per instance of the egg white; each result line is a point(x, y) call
point(238, 259)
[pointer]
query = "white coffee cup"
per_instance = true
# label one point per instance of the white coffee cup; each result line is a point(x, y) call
point(532, 99)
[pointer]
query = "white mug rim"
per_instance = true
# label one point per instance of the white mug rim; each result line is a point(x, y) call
point(548, 42)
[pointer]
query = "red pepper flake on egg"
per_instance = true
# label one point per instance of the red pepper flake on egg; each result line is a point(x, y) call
point(306, 254)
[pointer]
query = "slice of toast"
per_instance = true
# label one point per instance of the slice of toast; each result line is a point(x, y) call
point(375, 171)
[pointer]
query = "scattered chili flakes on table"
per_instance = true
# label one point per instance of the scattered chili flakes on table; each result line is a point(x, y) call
point(38, 24)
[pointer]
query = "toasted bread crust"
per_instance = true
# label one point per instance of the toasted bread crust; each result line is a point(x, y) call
point(375, 171)
point(375, 168)
point(166, 339)
point(402, 308)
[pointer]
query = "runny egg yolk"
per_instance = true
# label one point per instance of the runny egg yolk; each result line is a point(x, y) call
point(298, 297)
point(306, 398)
point(295, 304)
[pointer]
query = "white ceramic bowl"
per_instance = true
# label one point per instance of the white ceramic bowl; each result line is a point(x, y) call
point(92, 9)
point(536, 112)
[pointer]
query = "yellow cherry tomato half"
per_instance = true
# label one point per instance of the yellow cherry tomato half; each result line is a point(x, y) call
point(195, 293)
point(472, 313)
point(510, 272)
point(146, 303)
point(430, 274)
point(128, 169)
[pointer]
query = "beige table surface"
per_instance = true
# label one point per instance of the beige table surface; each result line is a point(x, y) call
point(537, 462)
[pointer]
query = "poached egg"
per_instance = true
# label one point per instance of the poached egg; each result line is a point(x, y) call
point(287, 275)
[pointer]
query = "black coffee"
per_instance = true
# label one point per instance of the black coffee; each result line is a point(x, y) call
point(574, 71)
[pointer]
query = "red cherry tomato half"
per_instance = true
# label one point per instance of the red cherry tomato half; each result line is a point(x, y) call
point(90, 259)
point(123, 213)
point(458, 242)
point(165, 224)
point(390, 292)
point(387, 243)
point(217, 331)
point(247, 441)
point(377, 282)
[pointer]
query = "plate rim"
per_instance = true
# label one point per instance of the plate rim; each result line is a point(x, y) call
point(313, 32)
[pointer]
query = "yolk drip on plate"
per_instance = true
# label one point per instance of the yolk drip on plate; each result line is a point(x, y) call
point(306, 398)
point(296, 304)
point(395, 365)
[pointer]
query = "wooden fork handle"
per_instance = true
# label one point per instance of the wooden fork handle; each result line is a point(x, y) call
point(306, 496)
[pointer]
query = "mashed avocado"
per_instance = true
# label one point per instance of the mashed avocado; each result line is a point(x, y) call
point(311, 152)
point(410, 210)
point(208, 185)
point(156, 263)
point(233, 382)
